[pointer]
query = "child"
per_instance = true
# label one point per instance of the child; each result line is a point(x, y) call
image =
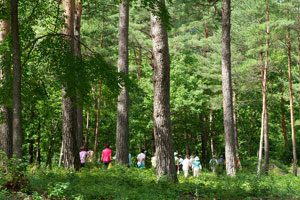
point(82, 154)
point(197, 166)
point(186, 165)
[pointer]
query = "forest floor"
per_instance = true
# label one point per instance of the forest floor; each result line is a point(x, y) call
point(123, 183)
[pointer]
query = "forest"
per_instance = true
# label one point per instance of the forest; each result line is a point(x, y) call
point(155, 78)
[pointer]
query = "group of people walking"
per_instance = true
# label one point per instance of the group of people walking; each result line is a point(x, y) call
point(186, 164)
point(88, 156)
point(189, 163)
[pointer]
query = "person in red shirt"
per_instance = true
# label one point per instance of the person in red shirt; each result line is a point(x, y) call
point(106, 155)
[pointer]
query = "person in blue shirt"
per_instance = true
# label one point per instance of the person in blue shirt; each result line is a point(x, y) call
point(197, 166)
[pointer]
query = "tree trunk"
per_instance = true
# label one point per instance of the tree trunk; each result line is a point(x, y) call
point(38, 142)
point(206, 36)
point(236, 139)
point(31, 136)
point(17, 74)
point(212, 146)
point(61, 155)
point(204, 139)
point(86, 140)
point(283, 119)
point(261, 141)
point(291, 99)
point(265, 105)
point(186, 136)
point(5, 111)
point(70, 150)
point(77, 52)
point(98, 118)
point(161, 83)
point(227, 92)
point(50, 148)
point(122, 139)
point(299, 50)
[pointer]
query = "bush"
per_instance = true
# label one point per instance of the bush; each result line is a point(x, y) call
point(13, 174)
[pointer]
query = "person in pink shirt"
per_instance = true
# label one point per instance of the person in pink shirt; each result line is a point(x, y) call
point(106, 155)
point(82, 154)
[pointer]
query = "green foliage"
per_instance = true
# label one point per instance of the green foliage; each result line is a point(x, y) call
point(13, 176)
point(132, 183)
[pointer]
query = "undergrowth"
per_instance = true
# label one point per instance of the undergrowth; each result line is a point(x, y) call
point(123, 183)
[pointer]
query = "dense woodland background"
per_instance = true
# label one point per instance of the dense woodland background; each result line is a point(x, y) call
point(195, 35)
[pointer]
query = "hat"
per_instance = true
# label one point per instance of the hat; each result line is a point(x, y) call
point(143, 151)
point(213, 156)
point(197, 158)
point(175, 153)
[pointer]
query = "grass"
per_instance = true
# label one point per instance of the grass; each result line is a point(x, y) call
point(123, 183)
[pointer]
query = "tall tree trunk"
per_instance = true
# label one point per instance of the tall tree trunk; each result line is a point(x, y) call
point(86, 140)
point(206, 36)
point(265, 105)
point(204, 139)
point(299, 50)
point(261, 141)
point(291, 99)
point(236, 139)
point(161, 83)
point(227, 92)
point(98, 118)
point(212, 145)
point(5, 111)
point(70, 147)
point(61, 155)
point(102, 29)
point(38, 142)
point(77, 52)
point(122, 140)
point(51, 145)
point(283, 119)
point(31, 135)
point(17, 74)
point(186, 136)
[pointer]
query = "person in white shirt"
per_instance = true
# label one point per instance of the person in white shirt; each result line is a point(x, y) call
point(141, 159)
point(186, 165)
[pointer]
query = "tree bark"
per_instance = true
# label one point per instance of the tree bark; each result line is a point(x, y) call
point(17, 74)
point(261, 141)
point(122, 140)
point(206, 36)
point(31, 135)
point(227, 92)
point(70, 147)
point(212, 146)
point(283, 120)
point(204, 139)
point(98, 118)
point(161, 83)
point(265, 105)
point(289, 47)
point(186, 136)
point(77, 52)
point(236, 139)
point(86, 140)
point(38, 142)
point(299, 50)
point(5, 111)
